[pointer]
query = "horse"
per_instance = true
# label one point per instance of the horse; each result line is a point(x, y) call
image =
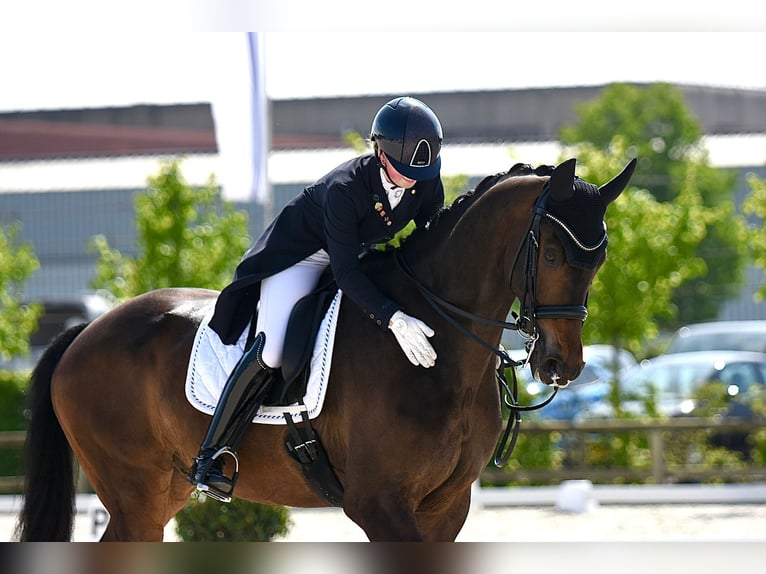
point(406, 443)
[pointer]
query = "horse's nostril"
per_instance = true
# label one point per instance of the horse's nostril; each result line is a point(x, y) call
point(551, 369)
point(556, 372)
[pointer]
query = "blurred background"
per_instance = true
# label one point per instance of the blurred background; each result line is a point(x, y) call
point(101, 132)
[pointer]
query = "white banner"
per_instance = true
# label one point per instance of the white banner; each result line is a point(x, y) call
point(240, 112)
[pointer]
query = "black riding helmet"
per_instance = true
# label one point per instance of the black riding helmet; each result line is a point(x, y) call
point(410, 135)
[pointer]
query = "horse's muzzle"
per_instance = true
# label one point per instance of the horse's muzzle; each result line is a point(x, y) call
point(553, 371)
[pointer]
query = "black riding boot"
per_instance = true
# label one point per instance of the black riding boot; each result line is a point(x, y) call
point(240, 400)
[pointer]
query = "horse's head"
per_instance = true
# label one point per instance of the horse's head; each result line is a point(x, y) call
point(565, 247)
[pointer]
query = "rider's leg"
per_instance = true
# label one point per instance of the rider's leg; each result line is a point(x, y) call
point(279, 294)
point(249, 382)
point(240, 399)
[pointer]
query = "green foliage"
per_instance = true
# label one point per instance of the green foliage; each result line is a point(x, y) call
point(724, 247)
point(187, 237)
point(206, 520)
point(17, 320)
point(12, 385)
point(654, 124)
point(628, 450)
point(454, 185)
point(356, 142)
point(12, 404)
point(538, 451)
point(652, 251)
point(755, 205)
point(759, 447)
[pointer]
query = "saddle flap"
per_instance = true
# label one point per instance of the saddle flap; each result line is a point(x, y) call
point(302, 329)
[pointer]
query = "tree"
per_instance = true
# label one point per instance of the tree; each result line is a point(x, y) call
point(755, 205)
point(651, 252)
point(17, 319)
point(187, 237)
point(666, 138)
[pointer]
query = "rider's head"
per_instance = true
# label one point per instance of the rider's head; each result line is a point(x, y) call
point(409, 133)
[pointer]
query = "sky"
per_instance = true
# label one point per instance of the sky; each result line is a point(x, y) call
point(66, 68)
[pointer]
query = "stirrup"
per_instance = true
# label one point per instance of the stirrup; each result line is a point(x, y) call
point(210, 490)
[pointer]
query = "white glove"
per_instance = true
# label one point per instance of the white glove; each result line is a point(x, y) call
point(411, 335)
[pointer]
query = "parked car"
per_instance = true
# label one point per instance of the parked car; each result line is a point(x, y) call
point(612, 358)
point(673, 383)
point(58, 315)
point(571, 402)
point(720, 336)
point(675, 379)
point(599, 366)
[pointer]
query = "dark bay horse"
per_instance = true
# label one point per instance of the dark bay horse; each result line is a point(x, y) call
point(406, 443)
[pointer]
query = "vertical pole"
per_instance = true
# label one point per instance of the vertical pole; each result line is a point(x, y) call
point(658, 455)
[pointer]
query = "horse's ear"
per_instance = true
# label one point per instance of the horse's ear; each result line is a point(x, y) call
point(613, 188)
point(562, 179)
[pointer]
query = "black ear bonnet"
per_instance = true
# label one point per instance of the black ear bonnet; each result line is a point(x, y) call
point(583, 232)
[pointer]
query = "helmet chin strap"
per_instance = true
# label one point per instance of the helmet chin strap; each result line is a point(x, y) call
point(384, 167)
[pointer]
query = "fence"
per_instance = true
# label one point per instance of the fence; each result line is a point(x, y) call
point(658, 472)
point(659, 432)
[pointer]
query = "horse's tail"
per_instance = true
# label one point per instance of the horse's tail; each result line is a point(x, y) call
point(47, 513)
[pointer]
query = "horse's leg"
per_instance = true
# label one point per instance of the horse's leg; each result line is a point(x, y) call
point(443, 522)
point(385, 515)
point(139, 509)
point(130, 469)
point(149, 526)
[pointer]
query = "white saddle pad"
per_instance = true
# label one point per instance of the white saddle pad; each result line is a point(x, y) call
point(211, 362)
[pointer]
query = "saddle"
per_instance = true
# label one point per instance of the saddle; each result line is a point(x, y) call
point(302, 443)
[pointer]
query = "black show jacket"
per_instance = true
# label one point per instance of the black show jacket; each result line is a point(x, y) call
point(346, 212)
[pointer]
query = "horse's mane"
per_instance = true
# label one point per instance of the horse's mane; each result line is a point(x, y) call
point(447, 217)
point(444, 220)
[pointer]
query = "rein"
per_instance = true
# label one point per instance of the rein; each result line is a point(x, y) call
point(504, 361)
point(525, 324)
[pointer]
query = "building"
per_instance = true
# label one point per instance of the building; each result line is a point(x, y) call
point(68, 175)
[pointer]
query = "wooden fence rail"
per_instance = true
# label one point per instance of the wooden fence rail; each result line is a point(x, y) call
point(659, 472)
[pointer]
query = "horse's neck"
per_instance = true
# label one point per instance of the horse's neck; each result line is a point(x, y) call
point(471, 267)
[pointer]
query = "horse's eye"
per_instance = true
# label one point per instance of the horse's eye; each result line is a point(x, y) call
point(550, 256)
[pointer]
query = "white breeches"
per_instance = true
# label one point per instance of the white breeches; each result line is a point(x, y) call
point(279, 294)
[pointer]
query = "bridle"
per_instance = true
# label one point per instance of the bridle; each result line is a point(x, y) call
point(525, 322)
point(529, 312)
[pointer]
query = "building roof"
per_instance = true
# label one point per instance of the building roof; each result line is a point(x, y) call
point(479, 117)
point(24, 139)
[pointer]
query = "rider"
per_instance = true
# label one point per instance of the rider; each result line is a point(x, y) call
point(360, 203)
